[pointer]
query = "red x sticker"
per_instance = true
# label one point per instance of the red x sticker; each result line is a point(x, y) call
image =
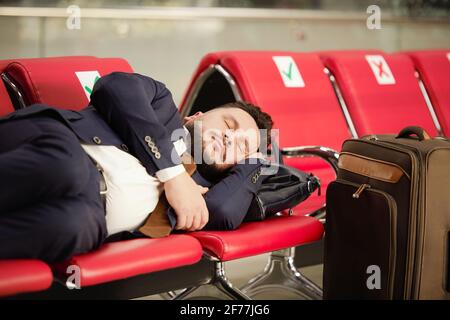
point(380, 69)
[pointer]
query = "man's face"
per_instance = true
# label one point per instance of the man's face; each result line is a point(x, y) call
point(227, 136)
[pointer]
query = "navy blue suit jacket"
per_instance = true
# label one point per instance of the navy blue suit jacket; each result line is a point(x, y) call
point(126, 109)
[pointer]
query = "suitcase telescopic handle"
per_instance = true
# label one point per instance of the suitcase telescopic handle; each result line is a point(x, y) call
point(413, 130)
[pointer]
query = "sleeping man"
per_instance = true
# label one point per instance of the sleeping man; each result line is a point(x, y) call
point(69, 180)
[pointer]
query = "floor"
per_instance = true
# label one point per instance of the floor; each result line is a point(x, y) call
point(240, 271)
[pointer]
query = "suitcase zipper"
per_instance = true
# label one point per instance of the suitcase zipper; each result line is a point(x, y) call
point(360, 190)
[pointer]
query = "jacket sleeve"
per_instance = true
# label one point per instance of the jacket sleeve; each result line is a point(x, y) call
point(129, 103)
point(229, 200)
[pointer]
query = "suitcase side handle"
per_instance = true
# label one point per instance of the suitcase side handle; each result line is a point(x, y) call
point(413, 130)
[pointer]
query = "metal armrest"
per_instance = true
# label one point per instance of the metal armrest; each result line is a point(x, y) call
point(330, 156)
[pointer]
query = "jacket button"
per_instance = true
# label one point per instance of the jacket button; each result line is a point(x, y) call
point(147, 139)
point(254, 179)
point(97, 140)
point(124, 147)
point(157, 155)
point(154, 149)
point(151, 144)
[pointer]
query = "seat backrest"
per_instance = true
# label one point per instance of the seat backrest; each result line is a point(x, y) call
point(6, 105)
point(63, 82)
point(434, 70)
point(380, 91)
point(291, 87)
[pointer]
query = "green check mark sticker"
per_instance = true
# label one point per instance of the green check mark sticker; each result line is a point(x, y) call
point(289, 73)
point(88, 89)
point(87, 81)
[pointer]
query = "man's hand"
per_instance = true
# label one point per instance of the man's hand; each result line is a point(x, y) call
point(185, 197)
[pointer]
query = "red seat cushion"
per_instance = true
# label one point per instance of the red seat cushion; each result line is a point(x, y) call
point(255, 238)
point(434, 69)
point(21, 276)
point(5, 103)
point(377, 107)
point(123, 259)
point(63, 82)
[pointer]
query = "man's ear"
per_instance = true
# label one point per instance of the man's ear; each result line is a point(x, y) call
point(193, 117)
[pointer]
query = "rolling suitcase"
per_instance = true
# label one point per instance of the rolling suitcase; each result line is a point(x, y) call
point(388, 219)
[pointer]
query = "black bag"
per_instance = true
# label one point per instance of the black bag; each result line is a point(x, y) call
point(281, 191)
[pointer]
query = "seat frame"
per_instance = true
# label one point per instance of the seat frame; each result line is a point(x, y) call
point(342, 104)
point(430, 106)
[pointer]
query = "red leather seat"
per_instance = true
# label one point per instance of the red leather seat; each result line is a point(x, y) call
point(62, 82)
point(5, 102)
point(434, 69)
point(124, 259)
point(255, 238)
point(22, 276)
point(304, 115)
point(54, 81)
point(380, 90)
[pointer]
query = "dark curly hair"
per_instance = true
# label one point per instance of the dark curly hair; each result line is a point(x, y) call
point(263, 119)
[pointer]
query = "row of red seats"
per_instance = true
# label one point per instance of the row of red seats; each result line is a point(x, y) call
point(325, 113)
point(370, 92)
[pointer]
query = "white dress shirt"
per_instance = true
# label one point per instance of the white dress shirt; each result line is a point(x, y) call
point(132, 192)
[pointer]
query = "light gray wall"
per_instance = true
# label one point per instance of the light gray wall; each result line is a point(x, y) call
point(170, 49)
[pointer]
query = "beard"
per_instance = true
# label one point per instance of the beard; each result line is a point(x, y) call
point(211, 172)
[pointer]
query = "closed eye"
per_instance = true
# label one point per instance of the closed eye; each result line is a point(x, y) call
point(225, 137)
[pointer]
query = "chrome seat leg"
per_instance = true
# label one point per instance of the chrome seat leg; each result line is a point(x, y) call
point(219, 281)
point(281, 273)
point(169, 295)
